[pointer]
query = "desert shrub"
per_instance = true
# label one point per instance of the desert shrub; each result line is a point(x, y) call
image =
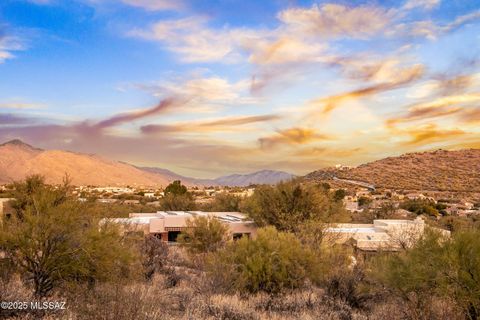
point(224, 202)
point(54, 239)
point(272, 262)
point(412, 274)
point(339, 194)
point(419, 207)
point(461, 271)
point(177, 202)
point(176, 188)
point(436, 269)
point(349, 286)
point(204, 234)
point(153, 253)
point(364, 201)
point(289, 203)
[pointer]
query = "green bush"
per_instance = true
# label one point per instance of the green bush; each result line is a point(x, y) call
point(176, 187)
point(224, 202)
point(272, 262)
point(419, 207)
point(177, 202)
point(204, 234)
point(436, 267)
point(53, 239)
point(291, 203)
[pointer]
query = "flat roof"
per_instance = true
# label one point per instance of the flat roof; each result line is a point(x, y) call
point(354, 229)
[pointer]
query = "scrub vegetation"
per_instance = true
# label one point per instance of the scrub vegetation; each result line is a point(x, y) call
point(55, 249)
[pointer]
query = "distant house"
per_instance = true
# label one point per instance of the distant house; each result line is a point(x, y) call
point(363, 193)
point(167, 225)
point(352, 206)
point(149, 194)
point(114, 190)
point(131, 202)
point(107, 200)
point(382, 235)
point(5, 208)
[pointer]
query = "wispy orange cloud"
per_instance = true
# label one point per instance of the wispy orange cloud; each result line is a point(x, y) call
point(471, 115)
point(224, 124)
point(292, 136)
point(430, 133)
point(135, 115)
point(439, 107)
point(403, 78)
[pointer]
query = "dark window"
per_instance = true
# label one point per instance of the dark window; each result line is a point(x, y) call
point(237, 236)
point(173, 235)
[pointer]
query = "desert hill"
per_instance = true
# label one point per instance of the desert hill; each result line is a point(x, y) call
point(435, 170)
point(18, 160)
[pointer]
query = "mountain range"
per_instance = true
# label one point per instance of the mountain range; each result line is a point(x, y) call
point(19, 159)
point(438, 170)
point(234, 180)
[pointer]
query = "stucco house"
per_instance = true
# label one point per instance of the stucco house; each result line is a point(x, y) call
point(167, 225)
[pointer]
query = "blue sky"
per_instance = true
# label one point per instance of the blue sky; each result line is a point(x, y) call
point(212, 87)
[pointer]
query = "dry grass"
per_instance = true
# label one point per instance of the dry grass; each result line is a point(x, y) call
point(142, 301)
point(194, 296)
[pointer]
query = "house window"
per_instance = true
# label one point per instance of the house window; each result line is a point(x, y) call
point(237, 236)
point(173, 235)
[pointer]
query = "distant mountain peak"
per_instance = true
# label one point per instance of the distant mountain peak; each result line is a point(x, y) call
point(18, 143)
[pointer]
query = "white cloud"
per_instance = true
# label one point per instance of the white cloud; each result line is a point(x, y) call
point(194, 41)
point(424, 4)
point(7, 45)
point(286, 49)
point(333, 20)
point(21, 105)
point(41, 2)
point(154, 5)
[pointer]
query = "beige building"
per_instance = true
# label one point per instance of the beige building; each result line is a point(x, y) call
point(167, 225)
point(382, 234)
point(5, 207)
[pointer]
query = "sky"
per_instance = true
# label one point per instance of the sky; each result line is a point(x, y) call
point(213, 87)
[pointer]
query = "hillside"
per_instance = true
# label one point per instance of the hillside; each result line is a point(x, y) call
point(436, 170)
point(18, 160)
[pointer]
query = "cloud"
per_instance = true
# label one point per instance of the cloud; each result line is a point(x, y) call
point(333, 20)
point(292, 136)
point(428, 28)
point(286, 49)
point(194, 41)
point(156, 5)
point(210, 89)
point(439, 107)
point(135, 115)
point(11, 119)
point(9, 44)
point(21, 105)
point(423, 4)
point(430, 133)
point(41, 2)
point(403, 77)
point(471, 115)
point(292, 41)
point(223, 124)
